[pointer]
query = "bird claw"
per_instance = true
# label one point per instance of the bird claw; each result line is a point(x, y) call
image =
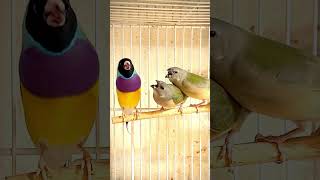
point(86, 163)
point(43, 170)
point(275, 141)
point(225, 151)
point(195, 106)
point(316, 132)
point(180, 110)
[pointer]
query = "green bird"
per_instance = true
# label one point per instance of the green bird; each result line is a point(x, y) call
point(168, 96)
point(226, 118)
point(266, 77)
point(191, 84)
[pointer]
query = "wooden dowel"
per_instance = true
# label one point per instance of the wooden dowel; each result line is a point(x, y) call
point(160, 113)
point(299, 148)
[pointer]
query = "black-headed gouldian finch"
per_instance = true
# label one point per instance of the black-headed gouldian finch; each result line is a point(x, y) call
point(128, 85)
point(191, 84)
point(59, 71)
point(168, 96)
point(266, 77)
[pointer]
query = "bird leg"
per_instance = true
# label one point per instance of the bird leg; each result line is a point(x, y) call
point(180, 109)
point(43, 168)
point(225, 150)
point(162, 108)
point(197, 105)
point(276, 140)
point(316, 132)
point(86, 163)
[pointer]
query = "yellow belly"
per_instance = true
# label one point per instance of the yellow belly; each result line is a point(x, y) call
point(60, 121)
point(129, 100)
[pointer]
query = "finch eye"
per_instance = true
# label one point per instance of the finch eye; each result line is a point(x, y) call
point(161, 87)
point(213, 33)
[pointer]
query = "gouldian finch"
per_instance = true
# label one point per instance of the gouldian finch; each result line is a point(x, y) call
point(226, 118)
point(128, 85)
point(168, 96)
point(191, 84)
point(266, 77)
point(59, 71)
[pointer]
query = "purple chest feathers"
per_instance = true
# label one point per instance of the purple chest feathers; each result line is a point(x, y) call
point(128, 85)
point(68, 74)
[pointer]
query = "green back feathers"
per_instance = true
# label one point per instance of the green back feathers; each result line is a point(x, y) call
point(197, 80)
point(177, 95)
point(225, 110)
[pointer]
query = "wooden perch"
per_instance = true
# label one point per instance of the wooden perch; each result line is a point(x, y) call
point(298, 148)
point(160, 113)
point(101, 171)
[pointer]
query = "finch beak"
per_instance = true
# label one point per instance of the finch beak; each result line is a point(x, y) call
point(169, 75)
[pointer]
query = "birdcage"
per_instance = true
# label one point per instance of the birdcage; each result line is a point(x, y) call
point(291, 22)
point(18, 155)
point(157, 35)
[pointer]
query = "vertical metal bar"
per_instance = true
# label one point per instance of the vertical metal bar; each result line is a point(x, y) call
point(209, 150)
point(315, 27)
point(158, 54)
point(114, 103)
point(13, 94)
point(259, 21)
point(140, 131)
point(258, 115)
point(191, 60)
point(233, 6)
point(200, 57)
point(123, 124)
point(315, 52)
point(149, 59)
point(288, 21)
point(132, 138)
point(175, 119)
point(183, 118)
point(167, 143)
point(98, 114)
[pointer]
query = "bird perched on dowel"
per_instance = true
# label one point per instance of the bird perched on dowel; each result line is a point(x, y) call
point(266, 77)
point(168, 96)
point(226, 118)
point(59, 71)
point(128, 85)
point(190, 84)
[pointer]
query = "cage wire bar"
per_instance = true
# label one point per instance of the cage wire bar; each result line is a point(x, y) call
point(288, 38)
point(162, 18)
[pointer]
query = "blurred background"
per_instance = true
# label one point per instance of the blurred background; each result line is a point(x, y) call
point(17, 152)
point(293, 22)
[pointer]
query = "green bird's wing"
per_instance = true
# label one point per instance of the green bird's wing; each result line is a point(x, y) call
point(194, 80)
point(226, 114)
point(177, 96)
point(287, 65)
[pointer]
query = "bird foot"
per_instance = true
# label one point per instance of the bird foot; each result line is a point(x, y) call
point(180, 110)
point(162, 108)
point(198, 105)
point(43, 169)
point(195, 106)
point(86, 164)
point(225, 154)
point(316, 132)
point(225, 150)
point(275, 141)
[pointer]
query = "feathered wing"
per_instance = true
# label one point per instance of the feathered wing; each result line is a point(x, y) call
point(177, 95)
